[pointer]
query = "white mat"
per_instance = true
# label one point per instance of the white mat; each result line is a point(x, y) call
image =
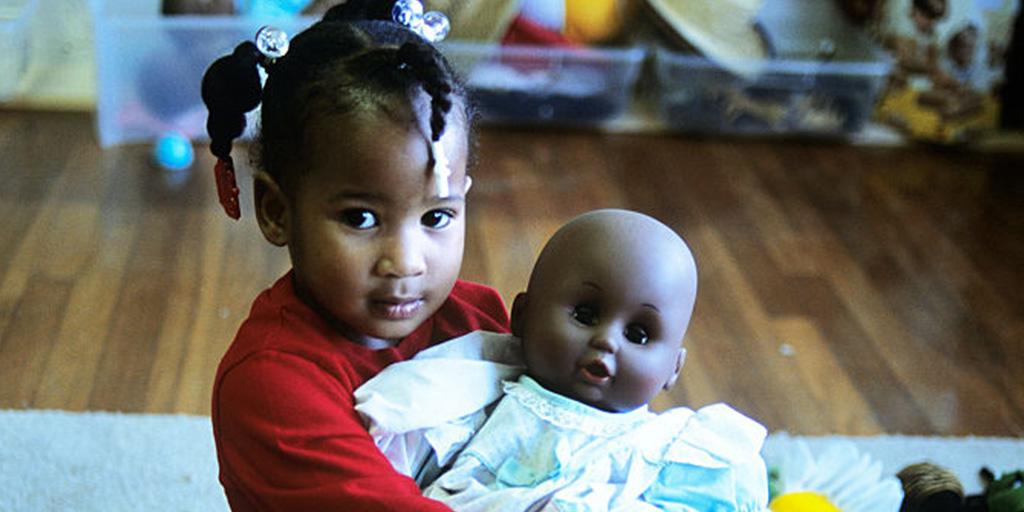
point(52, 460)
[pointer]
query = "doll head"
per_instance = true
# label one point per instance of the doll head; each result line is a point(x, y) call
point(603, 317)
point(962, 46)
point(925, 14)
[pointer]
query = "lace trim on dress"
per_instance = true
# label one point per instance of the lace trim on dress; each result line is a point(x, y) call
point(567, 413)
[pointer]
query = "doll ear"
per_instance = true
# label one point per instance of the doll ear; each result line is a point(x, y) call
point(469, 185)
point(680, 359)
point(272, 211)
point(518, 313)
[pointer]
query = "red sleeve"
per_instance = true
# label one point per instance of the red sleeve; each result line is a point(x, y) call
point(472, 307)
point(291, 440)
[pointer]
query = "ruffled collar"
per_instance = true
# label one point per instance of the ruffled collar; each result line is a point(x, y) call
point(567, 413)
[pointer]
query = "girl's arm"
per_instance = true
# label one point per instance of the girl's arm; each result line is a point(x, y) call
point(288, 438)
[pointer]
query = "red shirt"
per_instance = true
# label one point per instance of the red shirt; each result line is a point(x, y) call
point(287, 435)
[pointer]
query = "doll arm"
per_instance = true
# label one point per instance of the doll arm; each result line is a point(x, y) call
point(435, 402)
point(288, 438)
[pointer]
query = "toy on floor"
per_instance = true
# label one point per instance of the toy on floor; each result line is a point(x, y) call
point(173, 152)
point(546, 72)
point(932, 488)
point(928, 487)
point(1005, 494)
point(949, 66)
point(586, 22)
point(840, 478)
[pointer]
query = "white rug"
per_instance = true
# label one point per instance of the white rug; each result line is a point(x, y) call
point(52, 460)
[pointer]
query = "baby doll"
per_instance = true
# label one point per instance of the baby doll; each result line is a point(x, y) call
point(599, 330)
point(917, 51)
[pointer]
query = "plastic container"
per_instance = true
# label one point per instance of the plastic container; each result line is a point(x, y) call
point(822, 81)
point(149, 67)
point(15, 19)
point(547, 85)
point(149, 70)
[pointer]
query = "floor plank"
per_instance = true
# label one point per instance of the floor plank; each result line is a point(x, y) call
point(843, 289)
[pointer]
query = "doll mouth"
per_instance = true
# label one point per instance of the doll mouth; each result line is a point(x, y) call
point(596, 372)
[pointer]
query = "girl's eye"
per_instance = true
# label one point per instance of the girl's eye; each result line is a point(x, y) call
point(636, 333)
point(585, 314)
point(359, 218)
point(437, 219)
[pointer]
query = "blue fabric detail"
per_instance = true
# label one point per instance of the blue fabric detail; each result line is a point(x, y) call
point(685, 487)
point(513, 474)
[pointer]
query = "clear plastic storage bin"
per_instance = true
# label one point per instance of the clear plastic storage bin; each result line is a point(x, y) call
point(15, 18)
point(149, 70)
point(150, 67)
point(547, 85)
point(823, 80)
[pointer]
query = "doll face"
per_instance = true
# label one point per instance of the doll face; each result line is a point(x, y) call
point(926, 14)
point(373, 247)
point(603, 319)
point(962, 47)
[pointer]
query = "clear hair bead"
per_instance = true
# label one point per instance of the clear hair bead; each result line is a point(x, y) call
point(435, 26)
point(432, 26)
point(272, 42)
point(408, 12)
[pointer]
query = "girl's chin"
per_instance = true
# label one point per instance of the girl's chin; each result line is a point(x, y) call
point(391, 330)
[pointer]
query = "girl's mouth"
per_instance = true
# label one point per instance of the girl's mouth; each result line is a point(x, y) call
point(396, 308)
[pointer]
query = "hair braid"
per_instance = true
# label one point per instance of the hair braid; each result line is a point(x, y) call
point(426, 65)
point(360, 10)
point(231, 87)
point(355, 58)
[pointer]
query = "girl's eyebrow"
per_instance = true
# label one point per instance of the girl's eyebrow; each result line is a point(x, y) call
point(348, 195)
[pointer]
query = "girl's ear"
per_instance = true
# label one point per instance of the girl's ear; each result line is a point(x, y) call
point(518, 312)
point(272, 211)
point(680, 359)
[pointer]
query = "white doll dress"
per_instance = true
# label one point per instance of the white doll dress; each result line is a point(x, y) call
point(538, 450)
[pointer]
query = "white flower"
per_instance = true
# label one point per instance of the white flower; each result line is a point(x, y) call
point(850, 480)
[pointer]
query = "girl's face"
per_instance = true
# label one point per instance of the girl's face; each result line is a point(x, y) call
point(372, 244)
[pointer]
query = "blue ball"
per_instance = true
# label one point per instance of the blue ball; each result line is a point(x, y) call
point(173, 152)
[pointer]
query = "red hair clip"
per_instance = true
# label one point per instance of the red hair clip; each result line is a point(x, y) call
point(227, 187)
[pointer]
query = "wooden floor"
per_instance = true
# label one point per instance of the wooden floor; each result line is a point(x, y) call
point(842, 290)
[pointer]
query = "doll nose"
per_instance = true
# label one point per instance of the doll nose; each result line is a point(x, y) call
point(605, 339)
point(401, 257)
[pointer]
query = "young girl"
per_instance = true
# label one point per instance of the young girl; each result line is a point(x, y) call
point(362, 176)
point(600, 327)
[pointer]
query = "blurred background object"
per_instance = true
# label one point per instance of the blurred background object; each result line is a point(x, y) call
point(865, 71)
point(949, 66)
point(1013, 91)
point(15, 40)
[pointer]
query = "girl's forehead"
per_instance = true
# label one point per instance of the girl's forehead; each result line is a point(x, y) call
point(379, 152)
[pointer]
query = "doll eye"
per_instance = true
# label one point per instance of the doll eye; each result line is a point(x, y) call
point(585, 314)
point(437, 219)
point(359, 218)
point(636, 333)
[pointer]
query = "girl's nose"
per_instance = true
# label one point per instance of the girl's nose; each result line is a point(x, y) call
point(402, 256)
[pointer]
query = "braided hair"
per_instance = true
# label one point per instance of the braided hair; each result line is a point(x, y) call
point(354, 59)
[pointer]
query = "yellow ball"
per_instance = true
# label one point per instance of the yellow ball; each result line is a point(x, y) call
point(802, 502)
point(592, 21)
